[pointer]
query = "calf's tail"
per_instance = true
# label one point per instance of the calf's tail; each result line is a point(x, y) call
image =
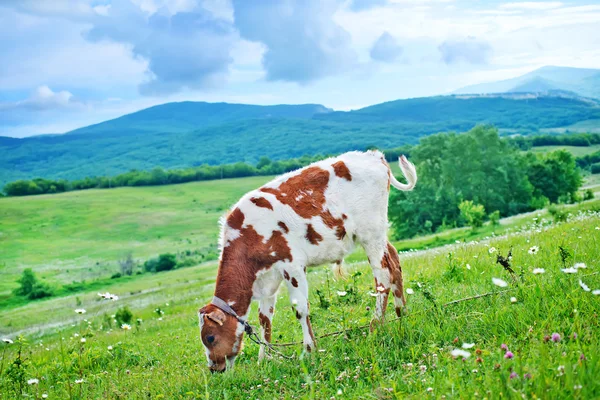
point(410, 173)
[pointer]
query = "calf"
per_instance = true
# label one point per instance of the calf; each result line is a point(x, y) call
point(307, 217)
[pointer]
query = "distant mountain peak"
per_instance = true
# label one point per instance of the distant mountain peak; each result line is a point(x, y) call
point(584, 82)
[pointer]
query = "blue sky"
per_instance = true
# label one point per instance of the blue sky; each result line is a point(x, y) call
point(70, 63)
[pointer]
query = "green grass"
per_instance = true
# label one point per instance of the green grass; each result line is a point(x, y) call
point(586, 126)
point(577, 151)
point(81, 235)
point(401, 359)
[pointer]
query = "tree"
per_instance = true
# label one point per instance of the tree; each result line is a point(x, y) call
point(126, 265)
point(30, 287)
point(477, 165)
point(553, 175)
point(472, 213)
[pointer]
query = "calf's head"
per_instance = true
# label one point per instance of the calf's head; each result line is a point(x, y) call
point(221, 336)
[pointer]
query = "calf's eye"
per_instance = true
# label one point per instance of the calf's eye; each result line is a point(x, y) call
point(210, 339)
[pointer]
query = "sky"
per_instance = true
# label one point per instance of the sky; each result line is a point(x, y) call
point(71, 63)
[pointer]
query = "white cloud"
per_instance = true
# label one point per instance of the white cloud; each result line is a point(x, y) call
point(531, 5)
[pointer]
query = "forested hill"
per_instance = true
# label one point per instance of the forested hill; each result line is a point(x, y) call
point(189, 115)
point(190, 134)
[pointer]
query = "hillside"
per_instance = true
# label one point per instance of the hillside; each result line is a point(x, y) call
point(581, 81)
point(188, 134)
point(186, 116)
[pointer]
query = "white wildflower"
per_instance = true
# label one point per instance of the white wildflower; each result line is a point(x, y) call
point(513, 299)
point(33, 381)
point(79, 381)
point(109, 348)
point(596, 292)
point(468, 345)
point(409, 291)
point(294, 302)
point(339, 392)
point(533, 250)
point(341, 293)
point(83, 340)
point(569, 270)
point(499, 282)
point(7, 341)
point(126, 327)
point(584, 286)
point(429, 389)
point(460, 353)
point(80, 311)
point(468, 266)
point(492, 250)
point(538, 271)
point(580, 266)
point(44, 395)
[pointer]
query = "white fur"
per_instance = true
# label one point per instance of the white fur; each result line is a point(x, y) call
point(364, 200)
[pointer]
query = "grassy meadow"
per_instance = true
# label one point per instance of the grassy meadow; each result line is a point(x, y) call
point(79, 236)
point(550, 331)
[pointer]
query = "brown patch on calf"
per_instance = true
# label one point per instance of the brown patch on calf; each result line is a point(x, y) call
point(310, 331)
point(286, 275)
point(271, 310)
point(265, 322)
point(262, 202)
point(342, 170)
point(389, 172)
point(313, 236)
point(235, 219)
point(334, 223)
point(398, 312)
point(305, 194)
point(298, 316)
point(294, 282)
point(283, 226)
point(391, 262)
point(243, 258)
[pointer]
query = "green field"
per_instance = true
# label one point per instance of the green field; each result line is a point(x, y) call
point(162, 358)
point(81, 235)
point(577, 151)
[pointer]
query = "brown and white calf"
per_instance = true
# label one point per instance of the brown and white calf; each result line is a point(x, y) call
point(307, 217)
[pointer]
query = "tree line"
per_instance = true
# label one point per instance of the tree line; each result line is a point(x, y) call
point(462, 175)
point(265, 167)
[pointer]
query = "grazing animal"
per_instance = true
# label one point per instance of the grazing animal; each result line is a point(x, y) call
point(311, 216)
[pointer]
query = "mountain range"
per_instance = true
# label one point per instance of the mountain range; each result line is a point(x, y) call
point(580, 81)
point(178, 135)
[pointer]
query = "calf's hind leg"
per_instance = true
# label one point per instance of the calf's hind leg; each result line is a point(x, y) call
point(298, 289)
point(392, 262)
point(385, 264)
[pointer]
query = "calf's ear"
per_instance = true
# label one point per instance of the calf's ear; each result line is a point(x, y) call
point(217, 316)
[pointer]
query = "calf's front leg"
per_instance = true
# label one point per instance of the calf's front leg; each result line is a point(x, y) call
point(266, 310)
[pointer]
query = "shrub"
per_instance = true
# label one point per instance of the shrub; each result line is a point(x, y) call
point(30, 287)
point(123, 316)
point(126, 265)
point(164, 262)
point(472, 213)
point(588, 194)
point(495, 218)
point(558, 213)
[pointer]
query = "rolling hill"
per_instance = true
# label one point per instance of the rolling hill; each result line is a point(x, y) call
point(580, 81)
point(187, 134)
